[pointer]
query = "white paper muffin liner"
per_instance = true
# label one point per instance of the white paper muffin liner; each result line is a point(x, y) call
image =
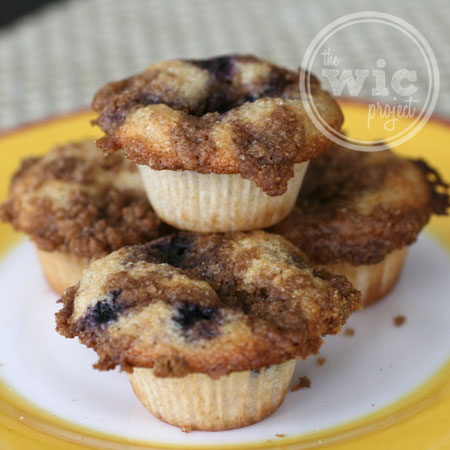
point(62, 270)
point(199, 402)
point(373, 280)
point(212, 202)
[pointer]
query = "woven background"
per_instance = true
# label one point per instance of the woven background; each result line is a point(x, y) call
point(53, 61)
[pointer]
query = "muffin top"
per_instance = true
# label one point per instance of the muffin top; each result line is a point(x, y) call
point(74, 200)
point(226, 115)
point(356, 207)
point(207, 303)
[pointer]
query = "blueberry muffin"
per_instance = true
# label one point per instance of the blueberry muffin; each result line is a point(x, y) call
point(358, 212)
point(76, 205)
point(222, 143)
point(208, 327)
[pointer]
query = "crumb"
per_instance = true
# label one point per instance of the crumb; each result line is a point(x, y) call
point(74, 399)
point(349, 332)
point(186, 429)
point(303, 382)
point(320, 361)
point(399, 320)
point(1, 364)
point(280, 435)
point(373, 404)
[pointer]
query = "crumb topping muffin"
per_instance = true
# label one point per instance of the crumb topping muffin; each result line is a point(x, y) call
point(74, 200)
point(212, 304)
point(233, 114)
point(358, 207)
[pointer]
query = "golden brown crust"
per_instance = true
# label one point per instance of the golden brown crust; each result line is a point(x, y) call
point(213, 304)
point(357, 207)
point(227, 115)
point(74, 200)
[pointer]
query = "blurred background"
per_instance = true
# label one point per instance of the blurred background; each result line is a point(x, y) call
point(55, 54)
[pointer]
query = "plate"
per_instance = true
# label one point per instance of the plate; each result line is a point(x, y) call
point(383, 384)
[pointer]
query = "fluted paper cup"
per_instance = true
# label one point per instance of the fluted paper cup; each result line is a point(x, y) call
point(62, 270)
point(199, 402)
point(212, 202)
point(373, 280)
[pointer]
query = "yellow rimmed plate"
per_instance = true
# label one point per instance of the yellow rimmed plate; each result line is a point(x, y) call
point(386, 387)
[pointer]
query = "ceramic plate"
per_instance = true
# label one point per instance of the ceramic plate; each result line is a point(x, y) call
point(385, 384)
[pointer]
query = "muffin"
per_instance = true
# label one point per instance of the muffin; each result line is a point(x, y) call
point(222, 143)
point(208, 326)
point(76, 205)
point(358, 212)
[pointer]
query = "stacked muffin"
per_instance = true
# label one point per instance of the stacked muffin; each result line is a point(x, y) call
point(222, 144)
point(208, 322)
point(212, 320)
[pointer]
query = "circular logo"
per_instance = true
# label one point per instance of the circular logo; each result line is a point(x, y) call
point(395, 89)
